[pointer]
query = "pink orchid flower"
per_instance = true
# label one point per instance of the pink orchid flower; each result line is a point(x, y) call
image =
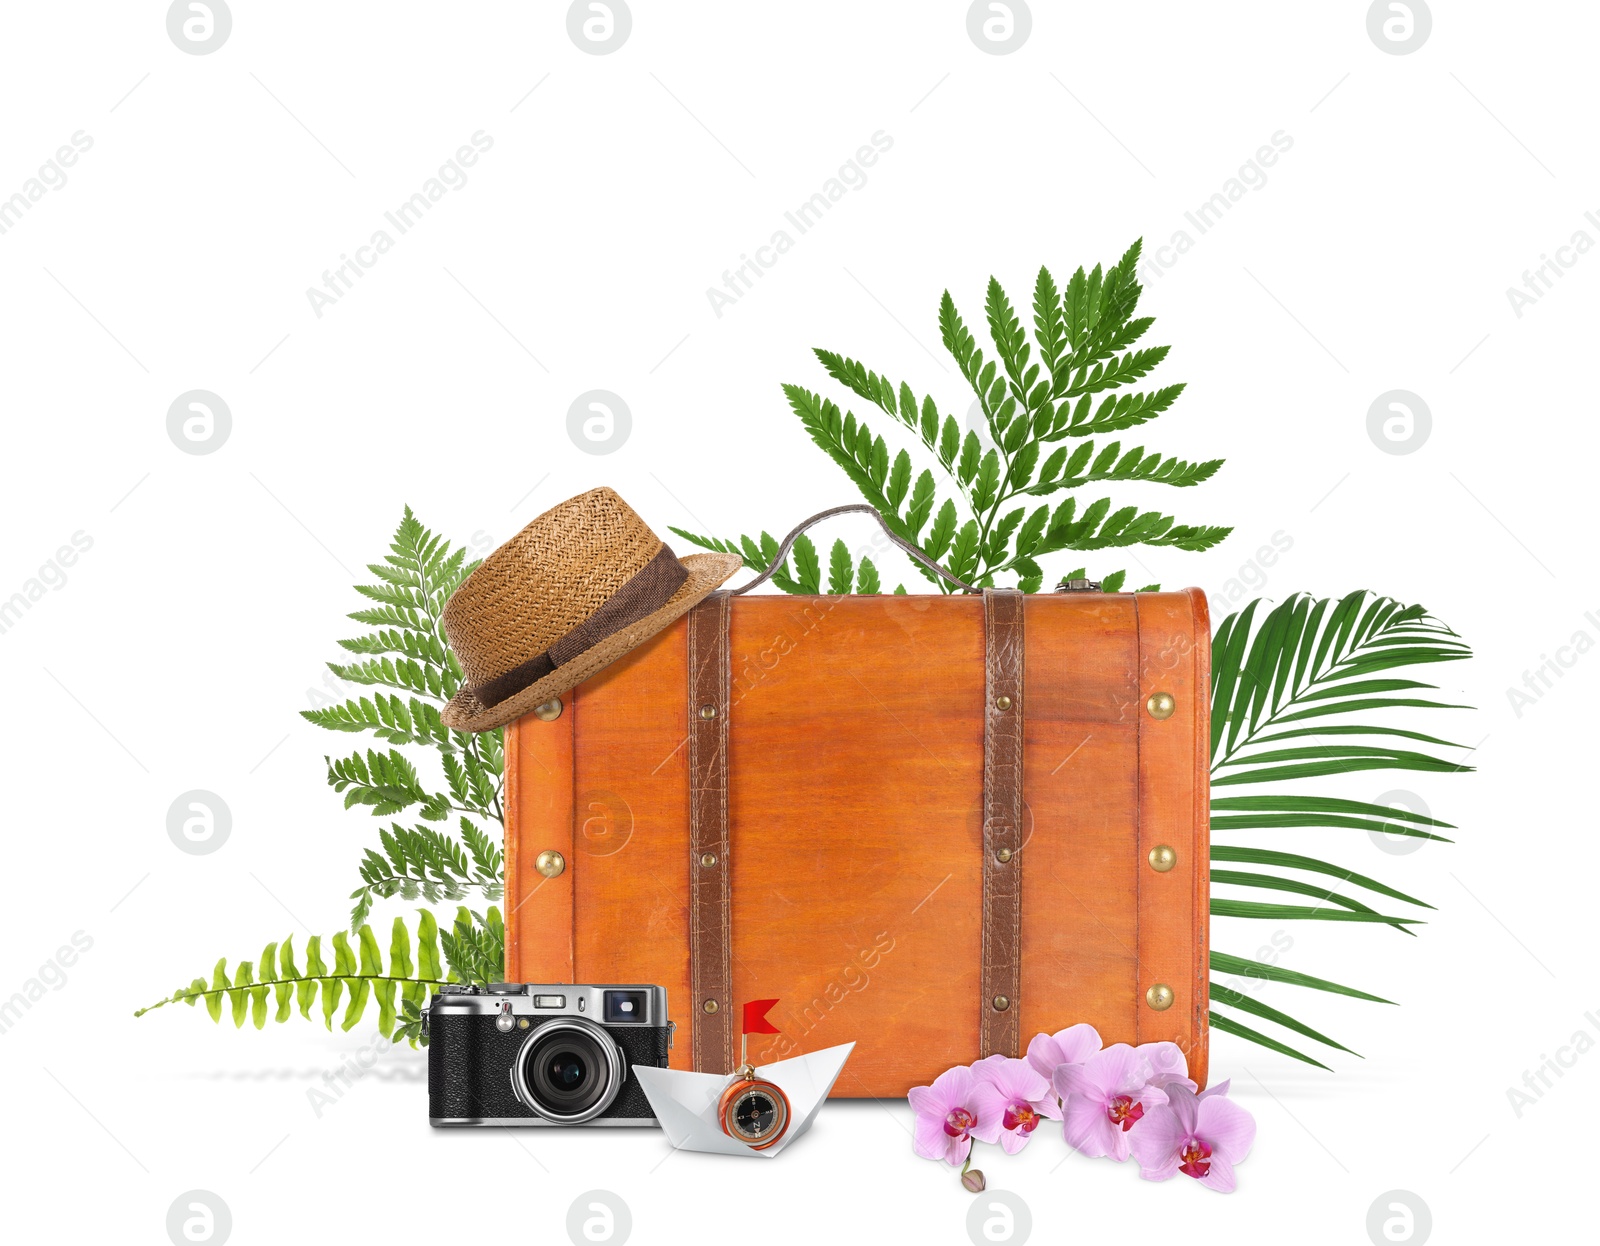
point(949, 1116)
point(1202, 1136)
point(1168, 1065)
point(1105, 1097)
point(1012, 1099)
point(1073, 1045)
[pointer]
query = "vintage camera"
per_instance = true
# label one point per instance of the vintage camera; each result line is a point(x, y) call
point(514, 1054)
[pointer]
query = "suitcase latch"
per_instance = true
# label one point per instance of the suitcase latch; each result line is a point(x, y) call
point(1078, 586)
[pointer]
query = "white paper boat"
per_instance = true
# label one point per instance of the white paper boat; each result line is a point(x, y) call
point(686, 1103)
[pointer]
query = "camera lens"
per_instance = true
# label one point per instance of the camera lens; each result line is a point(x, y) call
point(569, 1071)
point(561, 1075)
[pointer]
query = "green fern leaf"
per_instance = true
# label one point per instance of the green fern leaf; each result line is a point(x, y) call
point(1049, 327)
point(987, 486)
point(851, 445)
point(1115, 412)
point(921, 505)
point(971, 457)
point(999, 539)
point(429, 966)
point(1096, 378)
point(841, 569)
point(428, 862)
point(1111, 464)
point(949, 442)
point(757, 557)
point(942, 532)
point(361, 970)
point(1011, 344)
point(1076, 304)
point(964, 552)
point(899, 480)
point(475, 946)
point(957, 340)
point(807, 567)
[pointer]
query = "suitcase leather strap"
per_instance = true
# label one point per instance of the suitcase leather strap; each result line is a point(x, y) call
point(999, 1023)
point(710, 948)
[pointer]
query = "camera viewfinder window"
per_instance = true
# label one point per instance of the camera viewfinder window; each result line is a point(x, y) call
point(624, 1006)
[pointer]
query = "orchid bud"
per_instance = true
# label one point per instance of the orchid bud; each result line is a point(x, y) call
point(973, 1180)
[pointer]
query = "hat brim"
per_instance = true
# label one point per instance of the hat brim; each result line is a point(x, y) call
point(706, 572)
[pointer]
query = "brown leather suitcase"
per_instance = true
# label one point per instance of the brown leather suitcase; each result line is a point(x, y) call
point(931, 825)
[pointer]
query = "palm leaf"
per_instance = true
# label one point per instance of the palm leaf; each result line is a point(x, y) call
point(1285, 810)
point(1297, 912)
point(1277, 675)
point(1295, 886)
point(1229, 1026)
point(1224, 962)
point(1246, 1003)
point(1267, 856)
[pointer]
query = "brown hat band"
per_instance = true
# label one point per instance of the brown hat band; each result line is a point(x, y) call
point(645, 593)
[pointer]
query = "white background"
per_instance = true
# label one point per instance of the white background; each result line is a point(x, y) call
point(176, 655)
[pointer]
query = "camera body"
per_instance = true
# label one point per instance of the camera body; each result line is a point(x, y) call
point(551, 1054)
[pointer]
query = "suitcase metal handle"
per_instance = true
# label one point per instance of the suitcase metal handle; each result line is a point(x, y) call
point(915, 554)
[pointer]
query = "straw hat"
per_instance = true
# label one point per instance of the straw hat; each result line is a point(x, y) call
point(576, 589)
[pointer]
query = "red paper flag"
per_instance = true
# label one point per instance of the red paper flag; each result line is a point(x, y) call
point(755, 1017)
